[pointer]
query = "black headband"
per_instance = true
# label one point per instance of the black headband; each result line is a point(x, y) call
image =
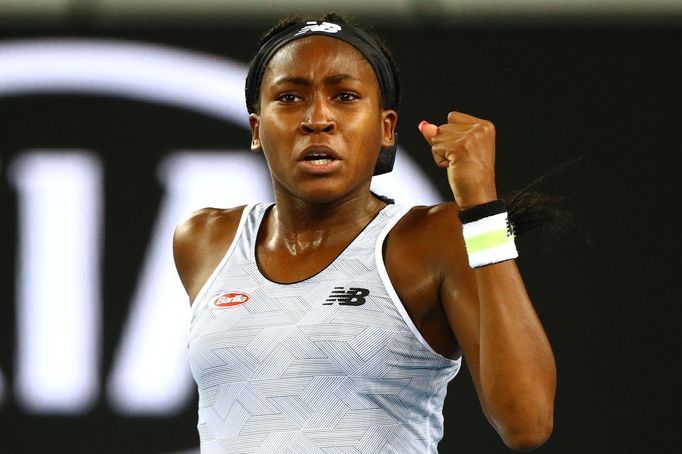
point(345, 32)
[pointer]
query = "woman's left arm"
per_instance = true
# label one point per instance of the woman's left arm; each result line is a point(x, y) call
point(488, 308)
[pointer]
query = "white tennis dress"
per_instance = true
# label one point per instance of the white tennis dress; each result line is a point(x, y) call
point(330, 364)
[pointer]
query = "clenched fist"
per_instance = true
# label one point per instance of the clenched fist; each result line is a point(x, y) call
point(466, 147)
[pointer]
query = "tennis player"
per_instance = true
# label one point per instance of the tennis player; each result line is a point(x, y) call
point(332, 320)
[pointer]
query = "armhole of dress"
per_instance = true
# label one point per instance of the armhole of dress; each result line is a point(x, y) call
point(383, 273)
point(198, 301)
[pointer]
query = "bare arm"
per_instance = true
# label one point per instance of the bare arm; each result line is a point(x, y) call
point(512, 339)
point(506, 349)
point(488, 308)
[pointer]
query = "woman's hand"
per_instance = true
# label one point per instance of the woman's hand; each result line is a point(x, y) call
point(465, 146)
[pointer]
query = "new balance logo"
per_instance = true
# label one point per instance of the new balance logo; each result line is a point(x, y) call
point(352, 297)
point(510, 228)
point(313, 26)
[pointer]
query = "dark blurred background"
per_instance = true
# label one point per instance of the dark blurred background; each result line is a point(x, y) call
point(100, 173)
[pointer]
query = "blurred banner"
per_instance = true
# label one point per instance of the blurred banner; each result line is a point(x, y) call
point(183, 12)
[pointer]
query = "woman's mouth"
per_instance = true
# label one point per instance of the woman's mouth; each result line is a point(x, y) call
point(319, 158)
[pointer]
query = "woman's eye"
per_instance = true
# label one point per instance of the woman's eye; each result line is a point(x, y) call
point(345, 97)
point(288, 98)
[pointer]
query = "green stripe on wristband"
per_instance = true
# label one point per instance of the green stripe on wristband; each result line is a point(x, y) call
point(487, 240)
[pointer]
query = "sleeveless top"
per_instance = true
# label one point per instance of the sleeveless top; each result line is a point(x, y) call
point(329, 364)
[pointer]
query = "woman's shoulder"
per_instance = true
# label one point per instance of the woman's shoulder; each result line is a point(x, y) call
point(430, 233)
point(207, 230)
point(206, 222)
point(200, 241)
point(425, 221)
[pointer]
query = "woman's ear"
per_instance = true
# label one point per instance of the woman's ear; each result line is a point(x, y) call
point(254, 123)
point(389, 120)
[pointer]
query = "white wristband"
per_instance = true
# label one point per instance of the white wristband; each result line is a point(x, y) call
point(489, 240)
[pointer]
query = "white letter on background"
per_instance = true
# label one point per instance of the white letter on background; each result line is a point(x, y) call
point(58, 288)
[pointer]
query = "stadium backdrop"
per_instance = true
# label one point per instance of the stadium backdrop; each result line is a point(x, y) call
point(107, 139)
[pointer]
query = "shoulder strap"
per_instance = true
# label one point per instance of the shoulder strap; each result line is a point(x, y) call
point(198, 301)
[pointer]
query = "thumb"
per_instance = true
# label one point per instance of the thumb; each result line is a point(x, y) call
point(428, 130)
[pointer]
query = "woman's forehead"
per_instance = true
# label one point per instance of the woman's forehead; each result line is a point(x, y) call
point(316, 55)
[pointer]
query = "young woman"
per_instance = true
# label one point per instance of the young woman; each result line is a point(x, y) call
point(334, 319)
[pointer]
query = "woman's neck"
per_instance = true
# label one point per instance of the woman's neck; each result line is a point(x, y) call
point(301, 227)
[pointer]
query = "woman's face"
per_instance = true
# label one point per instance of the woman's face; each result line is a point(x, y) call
point(321, 124)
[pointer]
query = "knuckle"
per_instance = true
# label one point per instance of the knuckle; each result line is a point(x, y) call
point(488, 126)
point(440, 151)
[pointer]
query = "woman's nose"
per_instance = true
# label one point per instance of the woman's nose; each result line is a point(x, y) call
point(318, 118)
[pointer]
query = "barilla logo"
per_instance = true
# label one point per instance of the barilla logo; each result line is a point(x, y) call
point(228, 300)
point(313, 26)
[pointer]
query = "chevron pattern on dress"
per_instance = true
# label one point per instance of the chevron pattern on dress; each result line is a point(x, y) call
point(286, 373)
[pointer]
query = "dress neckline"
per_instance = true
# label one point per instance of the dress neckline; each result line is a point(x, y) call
point(357, 238)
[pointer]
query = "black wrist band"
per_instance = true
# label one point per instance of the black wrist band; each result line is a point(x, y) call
point(482, 211)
